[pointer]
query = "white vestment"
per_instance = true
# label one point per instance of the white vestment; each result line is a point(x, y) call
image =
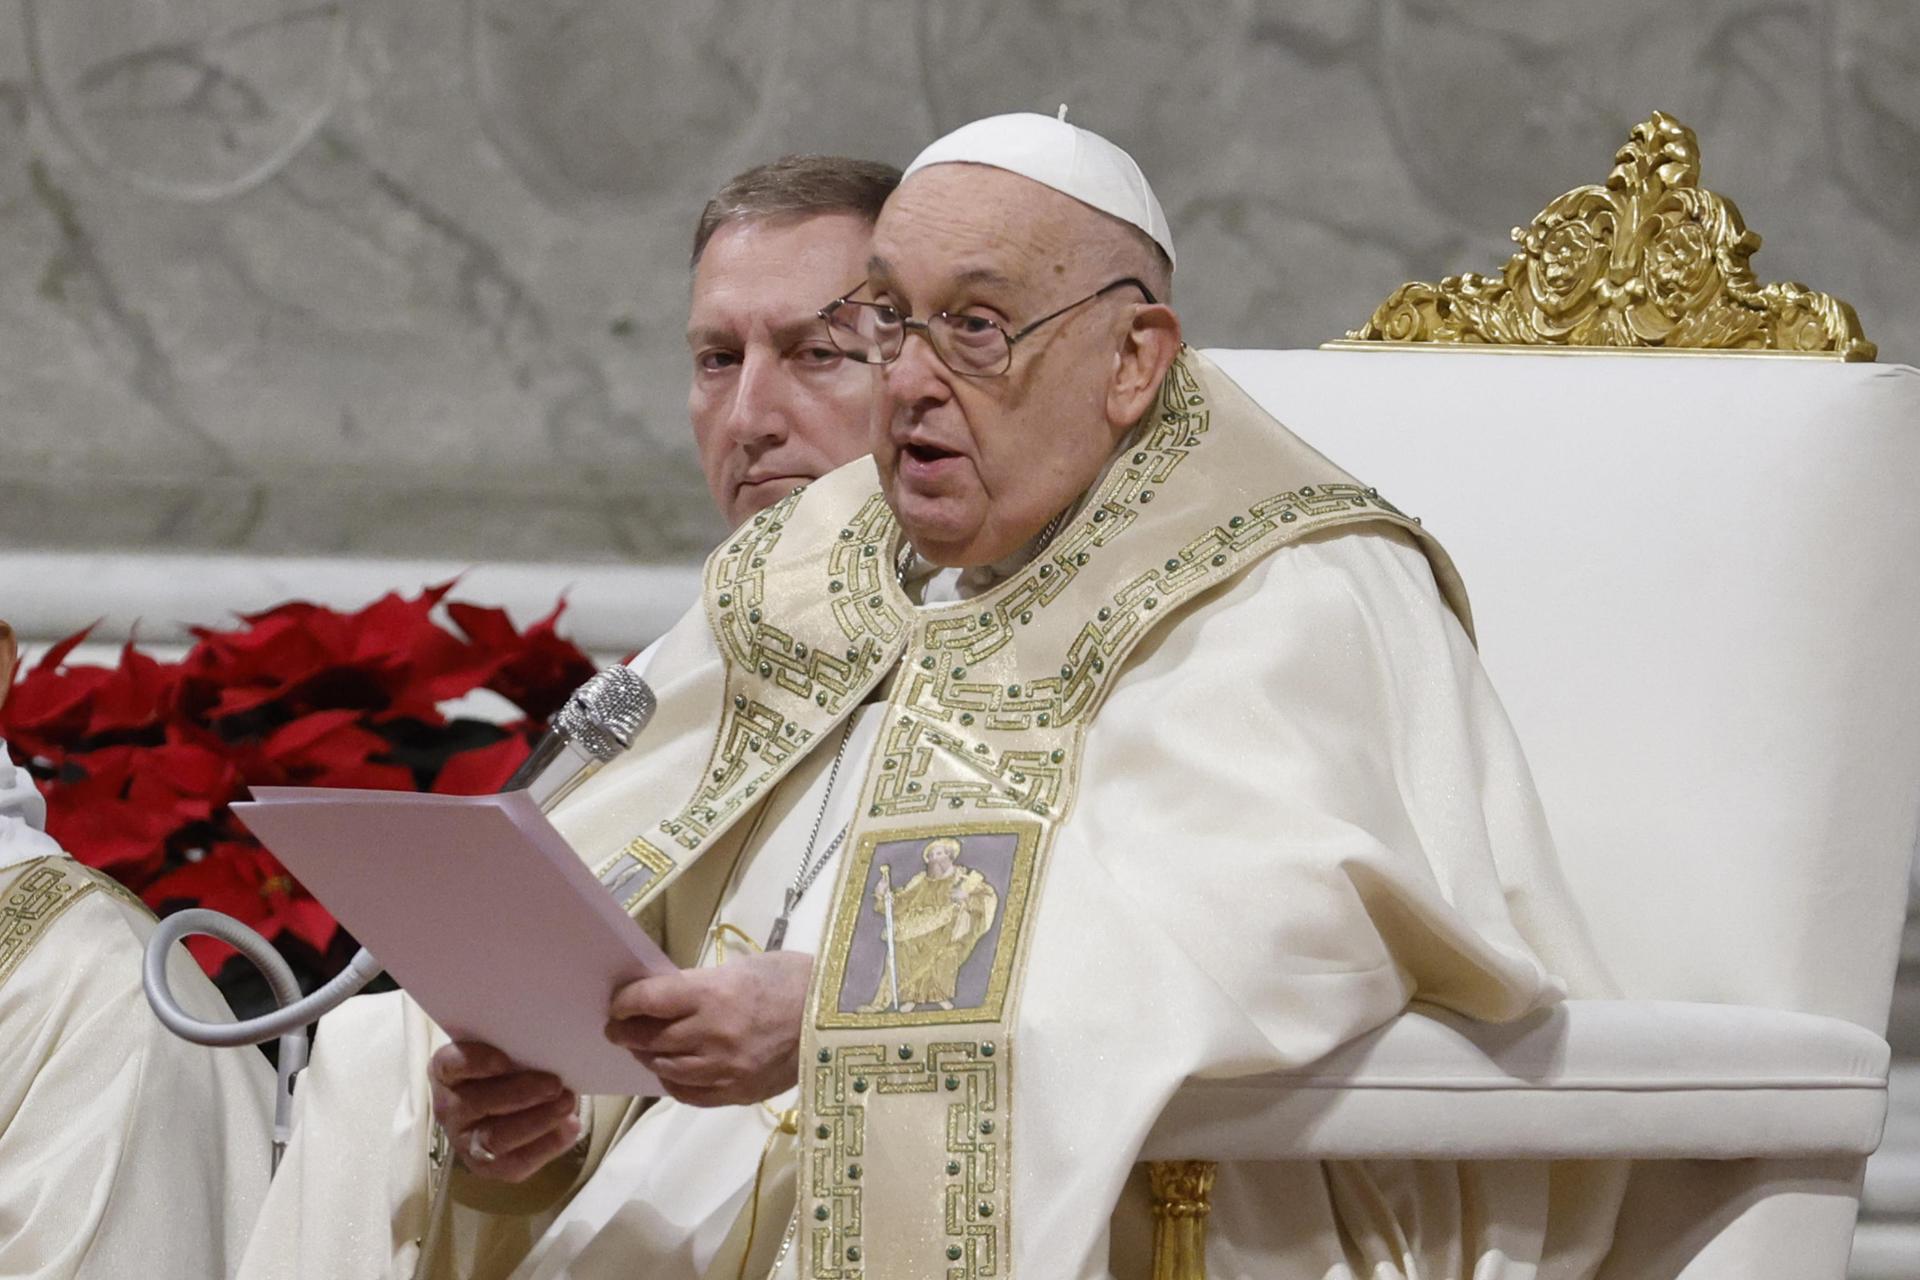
point(1302, 806)
point(123, 1150)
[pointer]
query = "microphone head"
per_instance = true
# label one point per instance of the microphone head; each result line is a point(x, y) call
point(605, 714)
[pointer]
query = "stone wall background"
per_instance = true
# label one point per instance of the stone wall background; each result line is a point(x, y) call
point(425, 298)
point(403, 283)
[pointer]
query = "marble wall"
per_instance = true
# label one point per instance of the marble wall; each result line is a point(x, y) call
point(407, 279)
point(324, 280)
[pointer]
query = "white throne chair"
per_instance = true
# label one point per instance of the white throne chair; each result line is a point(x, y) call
point(1709, 642)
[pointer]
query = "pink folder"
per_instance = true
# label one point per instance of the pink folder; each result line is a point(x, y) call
point(480, 910)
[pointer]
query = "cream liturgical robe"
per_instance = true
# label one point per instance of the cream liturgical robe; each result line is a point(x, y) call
point(1210, 785)
point(123, 1151)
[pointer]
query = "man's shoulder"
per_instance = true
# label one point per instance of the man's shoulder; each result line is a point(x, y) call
point(55, 907)
point(1374, 577)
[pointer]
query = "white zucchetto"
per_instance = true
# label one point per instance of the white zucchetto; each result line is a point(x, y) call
point(1073, 161)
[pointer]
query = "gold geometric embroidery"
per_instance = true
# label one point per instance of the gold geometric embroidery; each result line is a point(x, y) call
point(868, 622)
point(842, 1083)
point(1020, 778)
point(856, 566)
point(736, 576)
point(40, 896)
point(630, 873)
point(755, 742)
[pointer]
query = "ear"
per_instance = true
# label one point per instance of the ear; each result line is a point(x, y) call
point(8, 654)
point(1148, 348)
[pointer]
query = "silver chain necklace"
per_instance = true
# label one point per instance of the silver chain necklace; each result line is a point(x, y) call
point(810, 866)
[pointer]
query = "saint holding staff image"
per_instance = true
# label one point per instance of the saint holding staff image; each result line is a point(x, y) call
point(933, 925)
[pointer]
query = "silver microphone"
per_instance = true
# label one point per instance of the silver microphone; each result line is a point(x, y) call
point(600, 720)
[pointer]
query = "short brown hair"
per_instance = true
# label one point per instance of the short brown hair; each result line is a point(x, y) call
point(797, 186)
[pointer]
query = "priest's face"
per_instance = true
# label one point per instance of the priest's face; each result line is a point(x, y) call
point(975, 467)
point(8, 655)
point(773, 404)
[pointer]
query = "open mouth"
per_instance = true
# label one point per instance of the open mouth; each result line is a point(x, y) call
point(926, 454)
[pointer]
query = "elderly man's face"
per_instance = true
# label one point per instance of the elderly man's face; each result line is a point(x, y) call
point(975, 467)
point(8, 655)
point(773, 404)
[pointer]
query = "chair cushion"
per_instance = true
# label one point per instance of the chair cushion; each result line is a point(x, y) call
point(1588, 1078)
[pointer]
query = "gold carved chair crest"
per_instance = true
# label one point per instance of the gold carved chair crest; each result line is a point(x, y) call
point(1649, 258)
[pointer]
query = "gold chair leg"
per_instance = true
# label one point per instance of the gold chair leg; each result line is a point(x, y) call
point(1182, 1199)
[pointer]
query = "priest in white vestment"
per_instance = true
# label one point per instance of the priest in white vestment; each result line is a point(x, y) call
point(1203, 712)
point(123, 1151)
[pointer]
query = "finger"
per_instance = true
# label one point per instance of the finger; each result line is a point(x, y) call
point(665, 996)
point(468, 1060)
point(506, 1134)
point(654, 1035)
point(689, 1070)
point(504, 1095)
point(518, 1166)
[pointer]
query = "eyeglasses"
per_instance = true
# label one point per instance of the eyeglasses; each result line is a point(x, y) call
point(971, 346)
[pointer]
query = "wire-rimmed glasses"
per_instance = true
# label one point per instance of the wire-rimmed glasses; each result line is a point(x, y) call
point(972, 346)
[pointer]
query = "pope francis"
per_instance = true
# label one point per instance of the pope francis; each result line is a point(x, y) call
point(1095, 734)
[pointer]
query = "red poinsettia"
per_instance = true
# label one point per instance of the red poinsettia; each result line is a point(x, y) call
point(246, 882)
point(390, 657)
point(123, 805)
point(538, 669)
point(139, 761)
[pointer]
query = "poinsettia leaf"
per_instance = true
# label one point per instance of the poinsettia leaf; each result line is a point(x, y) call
point(135, 697)
point(53, 659)
point(369, 776)
point(434, 593)
point(48, 698)
point(297, 736)
point(307, 920)
point(486, 627)
point(483, 770)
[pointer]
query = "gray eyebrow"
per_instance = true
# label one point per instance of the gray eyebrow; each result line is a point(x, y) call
point(878, 266)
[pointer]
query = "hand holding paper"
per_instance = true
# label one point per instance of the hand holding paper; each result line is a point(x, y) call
point(719, 1036)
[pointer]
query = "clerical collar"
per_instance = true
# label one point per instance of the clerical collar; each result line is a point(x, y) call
point(927, 583)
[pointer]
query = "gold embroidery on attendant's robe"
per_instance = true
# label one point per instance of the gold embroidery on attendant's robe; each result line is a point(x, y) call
point(42, 893)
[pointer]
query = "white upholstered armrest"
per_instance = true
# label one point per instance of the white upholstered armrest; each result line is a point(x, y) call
point(1643, 1078)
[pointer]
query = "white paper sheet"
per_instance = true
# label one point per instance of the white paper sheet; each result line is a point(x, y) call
point(480, 910)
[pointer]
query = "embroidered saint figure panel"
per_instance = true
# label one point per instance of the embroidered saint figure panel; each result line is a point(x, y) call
point(928, 926)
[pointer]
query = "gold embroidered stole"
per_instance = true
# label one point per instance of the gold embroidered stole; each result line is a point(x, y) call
point(906, 1100)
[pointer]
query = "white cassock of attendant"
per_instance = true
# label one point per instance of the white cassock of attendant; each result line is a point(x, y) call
point(123, 1150)
point(1258, 793)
